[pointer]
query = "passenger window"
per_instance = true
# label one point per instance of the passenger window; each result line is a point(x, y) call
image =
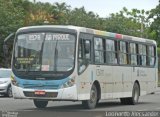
point(133, 54)
point(84, 49)
point(122, 53)
point(142, 54)
point(151, 55)
point(87, 49)
point(99, 50)
point(110, 52)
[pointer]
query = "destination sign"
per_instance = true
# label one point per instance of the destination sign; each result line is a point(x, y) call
point(57, 37)
point(34, 37)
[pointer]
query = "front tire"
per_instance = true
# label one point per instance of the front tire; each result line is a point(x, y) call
point(90, 104)
point(40, 103)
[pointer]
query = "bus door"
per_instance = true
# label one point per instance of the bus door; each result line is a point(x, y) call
point(85, 69)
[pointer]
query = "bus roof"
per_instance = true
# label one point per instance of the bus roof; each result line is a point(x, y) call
point(94, 31)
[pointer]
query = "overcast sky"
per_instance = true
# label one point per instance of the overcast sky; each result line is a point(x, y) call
point(104, 7)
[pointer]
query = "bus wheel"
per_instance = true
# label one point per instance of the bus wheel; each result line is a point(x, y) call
point(40, 103)
point(123, 100)
point(135, 95)
point(90, 104)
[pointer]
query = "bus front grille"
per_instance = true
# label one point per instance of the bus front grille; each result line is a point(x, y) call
point(47, 94)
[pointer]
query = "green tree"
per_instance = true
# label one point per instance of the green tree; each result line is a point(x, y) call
point(132, 22)
point(80, 17)
point(37, 13)
point(18, 13)
point(155, 26)
point(11, 18)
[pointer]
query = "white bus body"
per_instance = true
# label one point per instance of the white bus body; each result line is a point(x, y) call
point(125, 81)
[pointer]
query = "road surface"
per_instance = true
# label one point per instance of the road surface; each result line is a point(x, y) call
point(26, 108)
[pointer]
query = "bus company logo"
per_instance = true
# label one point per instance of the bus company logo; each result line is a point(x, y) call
point(141, 73)
point(40, 84)
point(100, 72)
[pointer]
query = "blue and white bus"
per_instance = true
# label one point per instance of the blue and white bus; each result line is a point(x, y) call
point(70, 63)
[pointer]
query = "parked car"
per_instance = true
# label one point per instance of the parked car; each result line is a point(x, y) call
point(5, 82)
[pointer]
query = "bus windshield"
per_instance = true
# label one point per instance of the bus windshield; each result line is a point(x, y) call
point(44, 52)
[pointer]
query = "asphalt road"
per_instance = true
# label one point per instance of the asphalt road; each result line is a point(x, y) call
point(26, 108)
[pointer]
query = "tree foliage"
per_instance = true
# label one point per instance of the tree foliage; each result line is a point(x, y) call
point(18, 13)
point(134, 22)
point(155, 26)
point(11, 18)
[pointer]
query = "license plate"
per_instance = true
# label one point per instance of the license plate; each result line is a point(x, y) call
point(39, 92)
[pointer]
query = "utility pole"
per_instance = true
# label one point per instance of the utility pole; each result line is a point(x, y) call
point(142, 27)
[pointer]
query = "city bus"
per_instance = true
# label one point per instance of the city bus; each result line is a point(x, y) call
point(71, 63)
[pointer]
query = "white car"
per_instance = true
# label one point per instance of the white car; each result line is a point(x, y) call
point(5, 82)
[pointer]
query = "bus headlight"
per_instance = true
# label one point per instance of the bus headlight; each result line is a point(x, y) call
point(69, 83)
point(13, 80)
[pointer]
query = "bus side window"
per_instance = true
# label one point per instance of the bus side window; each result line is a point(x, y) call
point(151, 55)
point(84, 54)
point(111, 57)
point(133, 53)
point(98, 50)
point(123, 52)
point(87, 49)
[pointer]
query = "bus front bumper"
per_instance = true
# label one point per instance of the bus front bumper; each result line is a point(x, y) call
point(69, 93)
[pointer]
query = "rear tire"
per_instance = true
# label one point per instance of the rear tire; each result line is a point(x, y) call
point(90, 104)
point(135, 96)
point(123, 101)
point(40, 103)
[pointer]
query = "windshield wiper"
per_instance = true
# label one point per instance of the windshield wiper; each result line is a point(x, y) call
point(55, 56)
point(41, 52)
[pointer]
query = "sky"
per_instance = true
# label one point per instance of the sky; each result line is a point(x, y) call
point(105, 7)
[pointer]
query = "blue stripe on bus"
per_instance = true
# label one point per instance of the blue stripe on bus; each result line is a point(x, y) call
point(40, 84)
